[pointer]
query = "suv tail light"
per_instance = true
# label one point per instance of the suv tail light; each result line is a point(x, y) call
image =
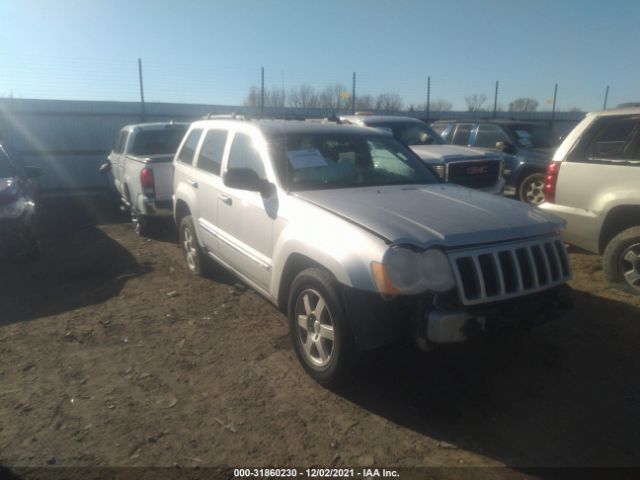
point(550, 181)
point(147, 182)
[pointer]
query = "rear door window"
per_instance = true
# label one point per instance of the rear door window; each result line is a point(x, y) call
point(212, 150)
point(614, 138)
point(121, 141)
point(188, 150)
point(461, 135)
point(488, 135)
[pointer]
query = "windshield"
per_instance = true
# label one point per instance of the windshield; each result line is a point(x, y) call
point(410, 133)
point(325, 161)
point(535, 136)
point(157, 142)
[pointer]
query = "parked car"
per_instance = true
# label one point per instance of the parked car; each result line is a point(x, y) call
point(142, 168)
point(594, 183)
point(529, 147)
point(347, 230)
point(18, 213)
point(469, 167)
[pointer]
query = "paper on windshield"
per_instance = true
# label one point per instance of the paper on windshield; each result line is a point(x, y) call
point(307, 158)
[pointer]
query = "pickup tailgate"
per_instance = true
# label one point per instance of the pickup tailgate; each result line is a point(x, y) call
point(162, 166)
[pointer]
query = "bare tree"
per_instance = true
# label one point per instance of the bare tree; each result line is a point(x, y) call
point(475, 102)
point(253, 97)
point(439, 105)
point(523, 104)
point(332, 97)
point(390, 102)
point(304, 96)
point(364, 102)
point(275, 97)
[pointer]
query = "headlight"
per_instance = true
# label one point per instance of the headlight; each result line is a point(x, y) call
point(435, 271)
point(404, 271)
point(14, 209)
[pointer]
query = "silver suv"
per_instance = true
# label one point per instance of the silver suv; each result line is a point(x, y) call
point(594, 183)
point(346, 230)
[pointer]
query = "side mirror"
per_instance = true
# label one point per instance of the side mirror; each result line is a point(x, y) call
point(247, 179)
point(506, 147)
point(105, 167)
point(33, 172)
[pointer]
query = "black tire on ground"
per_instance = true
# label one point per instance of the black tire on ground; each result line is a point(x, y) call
point(531, 188)
point(340, 353)
point(622, 256)
point(190, 246)
point(142, 225)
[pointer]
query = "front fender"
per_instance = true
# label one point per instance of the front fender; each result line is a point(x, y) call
point(342, 248)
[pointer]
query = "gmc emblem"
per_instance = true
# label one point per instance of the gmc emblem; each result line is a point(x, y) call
point(477, 170)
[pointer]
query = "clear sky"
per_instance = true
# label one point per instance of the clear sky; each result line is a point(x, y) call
point(211, 51)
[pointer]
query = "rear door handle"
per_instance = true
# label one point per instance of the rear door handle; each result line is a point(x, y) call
point(193, 183)
point(226, 199)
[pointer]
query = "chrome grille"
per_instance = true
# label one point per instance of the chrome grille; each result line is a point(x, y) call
point(474, 173)
point(509, 270)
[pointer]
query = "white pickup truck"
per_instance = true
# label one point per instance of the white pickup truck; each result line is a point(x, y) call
point(142, 168)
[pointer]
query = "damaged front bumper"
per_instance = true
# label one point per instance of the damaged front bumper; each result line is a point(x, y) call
point(439, 320)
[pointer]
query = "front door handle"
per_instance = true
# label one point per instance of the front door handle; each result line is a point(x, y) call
point(226, 199)
point(193, 183)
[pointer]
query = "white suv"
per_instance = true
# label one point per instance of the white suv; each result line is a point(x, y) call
point(594, 183)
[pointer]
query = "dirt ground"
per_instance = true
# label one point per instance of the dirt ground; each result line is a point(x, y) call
point(111, 354)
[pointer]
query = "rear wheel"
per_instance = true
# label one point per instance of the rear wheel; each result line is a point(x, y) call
point(621, 260)
point(531, 189)
point(190, 246)
point(318, 326)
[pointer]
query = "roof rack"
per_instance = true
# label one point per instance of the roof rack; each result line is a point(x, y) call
point(222, 116)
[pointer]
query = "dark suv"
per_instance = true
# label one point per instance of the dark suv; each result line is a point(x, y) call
point(17, 208)
point(529, 145)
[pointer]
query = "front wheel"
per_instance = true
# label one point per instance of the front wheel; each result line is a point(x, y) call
point(318, 327)
point(621, 260)
point(531, 189)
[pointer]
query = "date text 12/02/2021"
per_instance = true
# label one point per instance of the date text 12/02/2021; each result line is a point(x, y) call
point(316, 472)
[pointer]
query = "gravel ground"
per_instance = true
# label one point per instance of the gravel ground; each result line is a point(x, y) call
point(113, 355)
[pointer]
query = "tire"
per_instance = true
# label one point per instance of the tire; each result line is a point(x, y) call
point(190, 246)
point(531, 189)
point(322, 340)
point(621, 260)
point(143, 226)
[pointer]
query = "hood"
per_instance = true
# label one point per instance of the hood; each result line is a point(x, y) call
point(441, 214)
point(451, 153)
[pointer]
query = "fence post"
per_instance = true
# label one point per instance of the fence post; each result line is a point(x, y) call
point(553, 110)
point(428, 97)
point(353, 95)
point(262, 93)
point(606, 97)
point(495, 101)
point(144, 115)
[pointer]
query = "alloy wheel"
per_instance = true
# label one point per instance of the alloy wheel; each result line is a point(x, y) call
point(315, 328)
point(630, 266)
